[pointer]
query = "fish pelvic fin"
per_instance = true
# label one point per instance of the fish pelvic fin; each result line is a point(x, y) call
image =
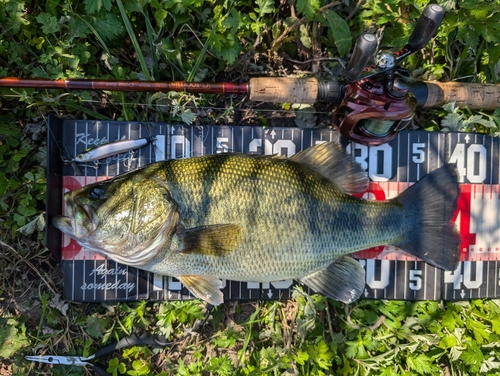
point(205, 287)
point(429, 206)
point(343, 280)
point(213, 240)
point(330, 160)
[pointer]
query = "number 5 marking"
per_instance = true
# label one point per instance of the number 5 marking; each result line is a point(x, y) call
point(415, 280)
point(418, 152)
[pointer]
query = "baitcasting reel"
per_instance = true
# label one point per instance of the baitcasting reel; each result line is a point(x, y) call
point(376, 100)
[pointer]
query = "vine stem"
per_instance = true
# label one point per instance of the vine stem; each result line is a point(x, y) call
point(14, 251)
point(354, 11)
point(300, 22)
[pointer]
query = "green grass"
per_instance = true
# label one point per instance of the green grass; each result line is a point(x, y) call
point(234, 41)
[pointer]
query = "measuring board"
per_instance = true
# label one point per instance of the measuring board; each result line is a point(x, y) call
point(393, 167)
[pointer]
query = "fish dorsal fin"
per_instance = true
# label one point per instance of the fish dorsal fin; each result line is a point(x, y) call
point(343, 280)
point(330, 160)
point(213, 240)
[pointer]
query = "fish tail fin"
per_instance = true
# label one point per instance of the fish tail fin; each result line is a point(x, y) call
point(429, 206)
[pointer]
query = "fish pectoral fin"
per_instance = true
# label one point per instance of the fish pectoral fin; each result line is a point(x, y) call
point(206, 287)
point(343, 280)
point(214, 240)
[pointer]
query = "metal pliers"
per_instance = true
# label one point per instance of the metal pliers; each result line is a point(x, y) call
point(147, 339)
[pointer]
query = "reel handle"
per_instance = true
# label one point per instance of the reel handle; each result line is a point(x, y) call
point(365, 47)
point(426, 27)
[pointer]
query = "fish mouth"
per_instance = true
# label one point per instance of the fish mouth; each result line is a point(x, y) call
point(63, 224)
point(81, 220)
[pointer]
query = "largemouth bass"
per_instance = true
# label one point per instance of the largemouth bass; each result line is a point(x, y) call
point(261, 219)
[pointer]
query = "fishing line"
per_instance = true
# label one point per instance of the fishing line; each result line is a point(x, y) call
point(293, 110)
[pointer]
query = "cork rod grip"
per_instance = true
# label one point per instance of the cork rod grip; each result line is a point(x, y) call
point(474, 96)
point(284, 90)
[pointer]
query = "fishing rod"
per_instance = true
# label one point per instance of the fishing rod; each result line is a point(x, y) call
point(374, 101)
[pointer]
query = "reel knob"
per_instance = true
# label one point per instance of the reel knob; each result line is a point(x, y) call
point(426, 27)
point(365, 47)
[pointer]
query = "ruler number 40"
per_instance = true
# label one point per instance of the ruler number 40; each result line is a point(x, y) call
point(471, 163)
point(458, 278)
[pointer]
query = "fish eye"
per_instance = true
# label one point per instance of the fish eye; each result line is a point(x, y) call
point(96, 191)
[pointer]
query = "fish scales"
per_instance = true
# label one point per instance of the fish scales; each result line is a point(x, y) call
point(295, 220)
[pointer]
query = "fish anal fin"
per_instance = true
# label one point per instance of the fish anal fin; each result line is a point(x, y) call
point(205, 287)
point(342, 280)
point(214, 240)
point(330, 160)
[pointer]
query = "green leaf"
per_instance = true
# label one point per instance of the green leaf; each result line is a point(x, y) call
point(96, 326)
point(453, 122)
point(139, 367)
point(478, 119)
point(305, 38)
point(94, 6)
point(496, 116)
point(133, 38)
point(301, 357)
point(420, 364)
point(264, 7)
point(108, 27)
point(346, 369)
point(77, 29)
point(489, 365)
point(29, 228)
point(321, 354)
point(450, 317)
point(4, 183)
point(473, 357)
point(12, 337)
point(456, 352)
point(230, 49)
point(448, 342)
point(26, 210)
point(340, 31)
point(233, 20)
point(222, 366)
point(481, 333)
point(115, 367)
point(308, 8)
point(468, 35)
point(49, 23)
point(495, 324)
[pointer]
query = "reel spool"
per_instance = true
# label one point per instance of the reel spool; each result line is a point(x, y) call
point(376, 101)
point(370, 115)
